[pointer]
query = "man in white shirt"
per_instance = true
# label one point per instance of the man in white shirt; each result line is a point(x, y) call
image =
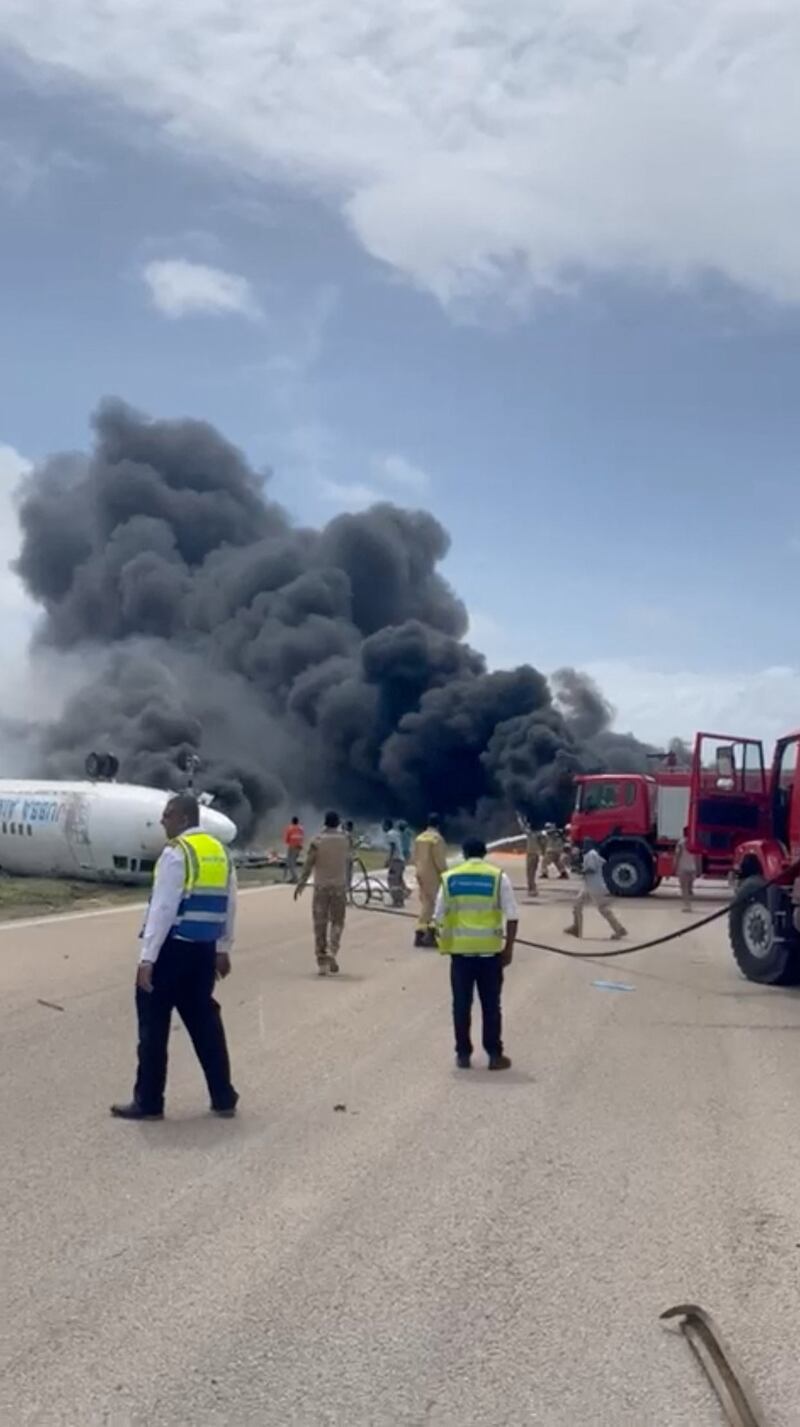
point(395, 863)
point(477, 920)
point(594, 893)
point(186, 945)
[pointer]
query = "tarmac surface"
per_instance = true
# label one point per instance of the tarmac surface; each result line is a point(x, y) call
point(446, 1250)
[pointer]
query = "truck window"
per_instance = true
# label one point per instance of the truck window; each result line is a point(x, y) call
point(630, 794)
point(597, 797)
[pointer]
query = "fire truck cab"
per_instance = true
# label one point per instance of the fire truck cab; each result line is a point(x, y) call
point(635, 819)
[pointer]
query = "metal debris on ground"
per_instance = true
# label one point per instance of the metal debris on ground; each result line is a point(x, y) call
point(613, 986)
point(51, 1005)
point(340, 1108)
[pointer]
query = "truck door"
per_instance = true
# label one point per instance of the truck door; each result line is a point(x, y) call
point(785, 795)
point(729, 801)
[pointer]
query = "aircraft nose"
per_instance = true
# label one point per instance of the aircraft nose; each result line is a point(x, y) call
point(218, 825)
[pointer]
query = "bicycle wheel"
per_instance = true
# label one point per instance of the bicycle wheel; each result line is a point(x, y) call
point(360, 889)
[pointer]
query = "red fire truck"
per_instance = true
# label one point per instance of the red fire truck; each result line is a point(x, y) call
point(636, 819)
point(764, 920)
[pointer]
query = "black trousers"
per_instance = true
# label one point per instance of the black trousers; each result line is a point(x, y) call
point(485, 972)
point(183, 981)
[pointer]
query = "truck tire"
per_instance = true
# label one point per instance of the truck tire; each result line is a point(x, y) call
point(629, 874)
point(759, 953)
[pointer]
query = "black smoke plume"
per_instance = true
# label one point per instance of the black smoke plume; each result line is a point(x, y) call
point(316, 666)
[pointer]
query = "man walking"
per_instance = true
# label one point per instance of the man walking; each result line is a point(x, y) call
point(477, 921)
point(534, 851)
point(430, 861)
point(329, 858)
point(294, 839)
point(594, 893)
point(186, 944)
point(395, 863)
point(686, 869)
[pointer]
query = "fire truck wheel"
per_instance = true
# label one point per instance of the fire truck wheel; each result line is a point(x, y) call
point(628, 874)
point(760, 954)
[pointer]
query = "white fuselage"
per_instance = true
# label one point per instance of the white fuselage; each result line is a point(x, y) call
point(96, 832)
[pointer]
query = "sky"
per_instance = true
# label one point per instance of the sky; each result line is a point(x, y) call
point(531, 264)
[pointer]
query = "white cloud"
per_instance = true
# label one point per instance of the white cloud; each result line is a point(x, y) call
point(393, 478)
point(477, 144)
point(397, 471)
point(179, 288)
point(484, 632)
point(658, 703)
point(655, 704)
point(348, 495)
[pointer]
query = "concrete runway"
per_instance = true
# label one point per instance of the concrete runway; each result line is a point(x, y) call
point(454, 1249)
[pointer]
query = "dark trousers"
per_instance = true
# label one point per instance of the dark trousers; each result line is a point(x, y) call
point(485, 972)
point(183, 981)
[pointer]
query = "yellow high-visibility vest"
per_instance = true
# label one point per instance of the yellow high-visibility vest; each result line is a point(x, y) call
point(473, 922)
point(203, 912)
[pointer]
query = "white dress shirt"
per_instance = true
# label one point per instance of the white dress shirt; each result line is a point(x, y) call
point(508, 902)
point(168, 889)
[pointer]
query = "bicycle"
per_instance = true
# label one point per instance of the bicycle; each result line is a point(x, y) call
point(369, 888)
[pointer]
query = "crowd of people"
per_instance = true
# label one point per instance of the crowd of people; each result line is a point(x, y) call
point(467, 911)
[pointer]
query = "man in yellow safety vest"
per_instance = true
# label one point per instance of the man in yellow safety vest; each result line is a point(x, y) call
point(186, 943)
point(477, 920)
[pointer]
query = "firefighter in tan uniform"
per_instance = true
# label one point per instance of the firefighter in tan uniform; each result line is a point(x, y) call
point(329, 858)
point(534, 853)
point(555, 853)
point(430, 862)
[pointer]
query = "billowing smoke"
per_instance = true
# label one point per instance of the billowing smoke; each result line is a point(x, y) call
point(312, 666)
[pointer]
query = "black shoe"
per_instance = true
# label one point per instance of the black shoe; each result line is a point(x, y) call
point(333, 966)
point(464, 1062)
point(499, 1062)
point(431, 939)
point(226, 1112)
point(420, 937)
point(134, 1112)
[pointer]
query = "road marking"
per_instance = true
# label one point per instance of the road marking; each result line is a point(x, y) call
point(56, 918)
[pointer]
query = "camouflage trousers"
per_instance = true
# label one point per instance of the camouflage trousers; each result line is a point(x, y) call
point(328, 910)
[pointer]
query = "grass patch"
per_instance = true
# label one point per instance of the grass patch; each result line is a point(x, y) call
point(36, 896)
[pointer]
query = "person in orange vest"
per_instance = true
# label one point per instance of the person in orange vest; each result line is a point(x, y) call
point(294, 841)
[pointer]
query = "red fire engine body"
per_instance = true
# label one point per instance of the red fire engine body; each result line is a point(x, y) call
point(742, 820)
point(636, 819)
